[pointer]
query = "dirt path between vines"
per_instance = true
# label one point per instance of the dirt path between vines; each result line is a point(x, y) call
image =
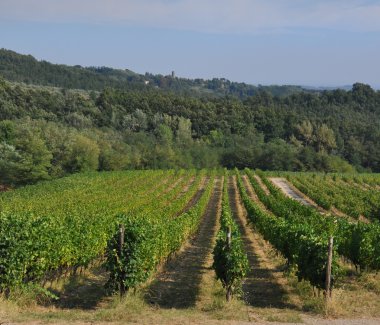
point(196, 197)
point(178, 284)
point(293, 193)
point(264, 285)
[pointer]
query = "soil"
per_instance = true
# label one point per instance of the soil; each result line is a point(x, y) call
point(4, 188)
point(291, 192)
point(84, 291)
point(196, 196)
point(178, 284)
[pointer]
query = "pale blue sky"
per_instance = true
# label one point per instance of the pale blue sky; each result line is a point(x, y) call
point(320, 43)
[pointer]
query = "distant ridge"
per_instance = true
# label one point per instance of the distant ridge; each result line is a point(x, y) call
point(323, 88)
point(26, 69)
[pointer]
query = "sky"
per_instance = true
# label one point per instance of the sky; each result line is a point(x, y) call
point(303, 42)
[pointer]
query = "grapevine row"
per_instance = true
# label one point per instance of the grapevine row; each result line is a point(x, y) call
point(357, 241)
point(297, 241)
point(149, 239)
point(67, 223)
point(230, 261)
point(330, 191)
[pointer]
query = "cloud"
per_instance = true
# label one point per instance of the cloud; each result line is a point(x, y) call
point(219, 16)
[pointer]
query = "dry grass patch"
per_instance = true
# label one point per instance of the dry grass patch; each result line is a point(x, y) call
point(359, 296)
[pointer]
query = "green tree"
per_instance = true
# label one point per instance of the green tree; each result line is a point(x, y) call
point(305, 132)
point(164, 135)
point(26, 160)
point(183, 135)
point(324, 139)
point(10, 164)
point(7, 131)
point(84, 155)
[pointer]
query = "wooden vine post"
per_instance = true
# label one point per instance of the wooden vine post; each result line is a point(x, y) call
point(328, 269)
point(229, 288)
point(121, 244)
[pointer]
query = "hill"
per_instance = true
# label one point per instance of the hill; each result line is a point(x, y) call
point(26, 69)
point(48, 132)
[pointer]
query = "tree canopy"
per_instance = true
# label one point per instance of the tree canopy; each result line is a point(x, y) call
point(49, 132)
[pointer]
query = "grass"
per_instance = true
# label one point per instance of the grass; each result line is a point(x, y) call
point(131, 309)
point(357, 297)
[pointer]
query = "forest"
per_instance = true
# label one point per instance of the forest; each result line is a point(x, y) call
point(49, 130)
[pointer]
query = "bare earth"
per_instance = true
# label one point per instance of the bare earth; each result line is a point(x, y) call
point(289, 191)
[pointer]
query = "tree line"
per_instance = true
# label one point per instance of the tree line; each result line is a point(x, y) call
point(51, 132)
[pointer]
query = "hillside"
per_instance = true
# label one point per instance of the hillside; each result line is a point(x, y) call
point(25, 68)
point(48, 132)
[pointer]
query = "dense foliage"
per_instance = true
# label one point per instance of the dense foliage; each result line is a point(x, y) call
point(50, 132)
point(230, 260)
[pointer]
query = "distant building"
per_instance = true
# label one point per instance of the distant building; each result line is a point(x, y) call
point(173, 74)
point(146, 82)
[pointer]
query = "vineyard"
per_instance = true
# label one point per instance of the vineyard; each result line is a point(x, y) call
point(357, 196)
point(168, 233)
